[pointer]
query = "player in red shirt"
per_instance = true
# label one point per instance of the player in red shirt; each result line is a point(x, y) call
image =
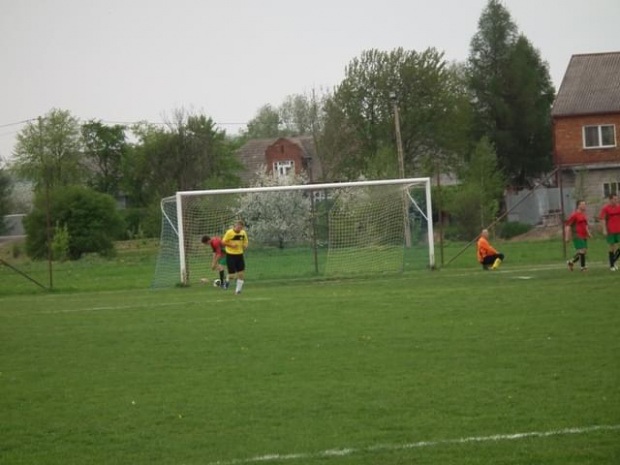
point(577, 224)
point(219, 257)
point(610, 215)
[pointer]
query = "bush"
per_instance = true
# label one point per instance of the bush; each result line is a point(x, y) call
point(469, 213)
point(142, 222)
point(91, 219)
point(453, 232)
point(133, 218)
point(510, 229)
point(60, 243)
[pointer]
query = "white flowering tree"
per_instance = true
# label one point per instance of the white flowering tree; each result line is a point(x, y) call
point(278, 218)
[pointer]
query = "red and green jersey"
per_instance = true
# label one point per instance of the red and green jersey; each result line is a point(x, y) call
point(579, 225)
point(610, 214)
point(217, 246)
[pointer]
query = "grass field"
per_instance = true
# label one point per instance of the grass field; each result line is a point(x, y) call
point(519, 366)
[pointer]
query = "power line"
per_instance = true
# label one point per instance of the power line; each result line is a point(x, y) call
point(125, 123)
point(164, 124)
point(17, 122)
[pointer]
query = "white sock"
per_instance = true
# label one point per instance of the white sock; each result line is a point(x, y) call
point(239, 285)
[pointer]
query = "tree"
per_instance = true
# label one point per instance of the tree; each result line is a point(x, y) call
point(512, 95)
point(145, 165)
point(279, 218)
point(476, 202)
point(298, 115)
point(361, 112)
point(295, 115)
point(301, 114)
point(265, 125)
point(90, 219)
point(339, 145)
point(188, 153)
point(104, 150)
point(48, 152)
point(530, 94)
point(198, 151)
point(214, 152)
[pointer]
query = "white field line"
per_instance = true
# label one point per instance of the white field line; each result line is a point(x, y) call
point(415, 445)
point(151, 305)
point(506, 269)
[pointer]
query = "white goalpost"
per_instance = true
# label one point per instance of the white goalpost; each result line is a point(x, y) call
point(330, 230)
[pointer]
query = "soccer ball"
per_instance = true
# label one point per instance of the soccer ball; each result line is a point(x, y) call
point(204, 280)
point(217, 283)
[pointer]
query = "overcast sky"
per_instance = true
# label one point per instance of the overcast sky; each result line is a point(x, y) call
point(130, 60)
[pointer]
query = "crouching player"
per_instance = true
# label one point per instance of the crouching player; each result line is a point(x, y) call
point(487, 255)
point(219, 258)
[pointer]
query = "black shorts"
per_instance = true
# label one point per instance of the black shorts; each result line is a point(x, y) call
point(489, 259)
point(235, 263)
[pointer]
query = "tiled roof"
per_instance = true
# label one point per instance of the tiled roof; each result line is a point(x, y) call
point(252, 157)
point(591, 85)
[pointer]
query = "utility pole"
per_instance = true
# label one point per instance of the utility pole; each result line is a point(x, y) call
point(48, 222)
point(439, 214)
point(399, 140)
point(401, 166)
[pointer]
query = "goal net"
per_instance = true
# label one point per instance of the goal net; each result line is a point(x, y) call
point(331, 230)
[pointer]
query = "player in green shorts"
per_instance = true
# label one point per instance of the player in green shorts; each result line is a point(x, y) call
point(219, 258)
point(577, 226)
point(610, 216)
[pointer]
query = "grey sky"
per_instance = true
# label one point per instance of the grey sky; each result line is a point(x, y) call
point(130, 60)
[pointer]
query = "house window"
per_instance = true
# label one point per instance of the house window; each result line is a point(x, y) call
point(610, 188)
point(600, 136)
point(283, 168)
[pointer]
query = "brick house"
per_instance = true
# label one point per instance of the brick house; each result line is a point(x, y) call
point(280, 157)
point(586, 118)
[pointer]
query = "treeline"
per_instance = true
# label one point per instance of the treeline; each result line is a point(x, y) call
point(136, 166)
point(486, 121)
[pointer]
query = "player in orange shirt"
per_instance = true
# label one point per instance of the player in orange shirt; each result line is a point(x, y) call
point(487, 255)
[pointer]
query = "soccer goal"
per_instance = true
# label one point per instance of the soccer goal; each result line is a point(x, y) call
point(334, 230)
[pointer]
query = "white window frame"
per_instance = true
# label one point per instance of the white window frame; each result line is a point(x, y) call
point(611, 187)
point(283, 167)
point(599, 136)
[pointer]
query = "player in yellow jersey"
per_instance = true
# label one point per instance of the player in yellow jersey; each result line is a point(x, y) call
point(236, 241)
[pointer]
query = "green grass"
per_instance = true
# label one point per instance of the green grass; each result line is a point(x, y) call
point(105, 371)
point(132, 268)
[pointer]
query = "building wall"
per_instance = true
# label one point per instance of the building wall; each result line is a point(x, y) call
point(588, 184)
point(284, 150)
point(542, 206)
point(14, 225)
point(568, 134)
point(586, 171)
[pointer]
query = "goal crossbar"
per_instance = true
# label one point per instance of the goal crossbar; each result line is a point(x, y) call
point(304, 187)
